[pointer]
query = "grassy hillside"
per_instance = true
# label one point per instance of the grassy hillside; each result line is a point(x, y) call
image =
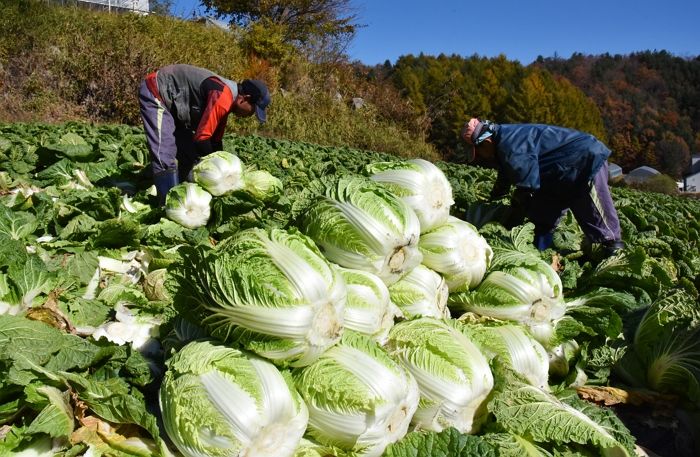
point(65, 63)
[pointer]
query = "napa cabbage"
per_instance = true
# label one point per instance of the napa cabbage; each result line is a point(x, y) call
point(359, 399)
point(358, 224)
point(219, 173)
point(262, 185)
point(421, 293)
point(269, 290)
point(519, 287)
point(420, 184)
point(188, 204)
point(368, 309)
point(458, 252)
point(219, 401)
point(452, 373)
point(513, 344)
point(665, 350)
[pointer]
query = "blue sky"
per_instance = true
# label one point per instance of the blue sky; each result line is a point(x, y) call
point(521, 30)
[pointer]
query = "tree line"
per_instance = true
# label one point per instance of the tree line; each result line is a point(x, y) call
point(645, 106)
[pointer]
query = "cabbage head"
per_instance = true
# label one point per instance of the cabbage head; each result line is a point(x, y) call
point(513, 344)
point(219, 173)
point(522, 288)
point(188, 205)
point(359, 399)
point(262, 185)
point(453, 375)
point(219, 401)
point(268, 290)
point(420, 184)
point(368, 309)
point(359, 224)
point(421, 293)
point(665, 351)
point(458, 252)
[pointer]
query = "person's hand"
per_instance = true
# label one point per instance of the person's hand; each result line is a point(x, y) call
point(500, 189)
point(519, 205)
point(521, 197)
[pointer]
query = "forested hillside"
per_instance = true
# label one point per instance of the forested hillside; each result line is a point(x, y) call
point(649, 101)
point(646, 106)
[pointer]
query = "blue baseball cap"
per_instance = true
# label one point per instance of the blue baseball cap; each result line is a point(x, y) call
point(260, 96)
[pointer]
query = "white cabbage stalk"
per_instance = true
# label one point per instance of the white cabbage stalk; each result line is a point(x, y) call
point(561, 356)
point(421, 293)
point(188, 205)
point(262, 185)
point(219, 401)
point(274, 293)
point(131, 206)
point(359, 398)
point(515, 347)
point(130, 267)
point(453, 375)
point(368, 309)
point(219, 173)
point(361, 225)
point(529, 292)
point(420, 184)
point(141, 332)
point(458, 252)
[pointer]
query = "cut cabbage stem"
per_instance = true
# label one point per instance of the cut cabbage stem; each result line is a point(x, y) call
point(398, 419)
point(326, 325)
point(540, 310)
point(269, 441)
point(397, 259)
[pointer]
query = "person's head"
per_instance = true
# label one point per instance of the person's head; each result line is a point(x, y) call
point(478, 134)
point(253, 98)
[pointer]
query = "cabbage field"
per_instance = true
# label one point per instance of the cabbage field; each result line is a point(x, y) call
point(305, 301)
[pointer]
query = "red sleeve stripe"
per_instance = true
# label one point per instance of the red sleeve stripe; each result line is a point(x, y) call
point(214, 117)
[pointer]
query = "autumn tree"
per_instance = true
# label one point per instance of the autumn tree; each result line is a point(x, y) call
point(320, 28)
point(649, 102)
point(673, 155)
point(450, 89)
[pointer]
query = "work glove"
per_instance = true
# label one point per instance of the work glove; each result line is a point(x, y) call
point(164, 181)
point(500, 189)
point(206, 147)
point(519, 205)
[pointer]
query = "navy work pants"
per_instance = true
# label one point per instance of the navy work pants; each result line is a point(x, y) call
point(593, 209)
point(171, 148)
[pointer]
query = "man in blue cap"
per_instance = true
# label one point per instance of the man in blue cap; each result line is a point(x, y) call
point(184, 110)
point(553, 169)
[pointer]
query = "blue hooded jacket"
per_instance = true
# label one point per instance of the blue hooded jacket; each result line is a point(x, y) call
point(547, 158)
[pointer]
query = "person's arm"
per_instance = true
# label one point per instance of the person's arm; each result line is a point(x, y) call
point(523, 169)
point(501, 187)
point(210, 131)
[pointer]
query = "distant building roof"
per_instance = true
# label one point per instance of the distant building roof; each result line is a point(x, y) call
point(640, 174)
point(614, 170)
point(139, 6)
point(643, 172)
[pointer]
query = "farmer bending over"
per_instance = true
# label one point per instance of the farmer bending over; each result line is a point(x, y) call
point(184, 111)
point(553, 169)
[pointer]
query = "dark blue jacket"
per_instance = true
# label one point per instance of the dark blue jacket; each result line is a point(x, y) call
point(546, 157)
